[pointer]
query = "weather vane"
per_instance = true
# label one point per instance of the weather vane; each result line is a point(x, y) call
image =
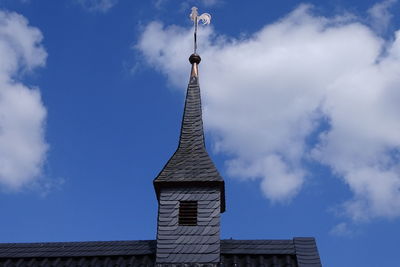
point(205, 18)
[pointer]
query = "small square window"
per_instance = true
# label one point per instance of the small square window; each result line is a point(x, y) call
point(188, 213)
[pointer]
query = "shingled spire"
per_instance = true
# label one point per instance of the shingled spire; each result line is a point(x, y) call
point(190, 192)
point(191, 165)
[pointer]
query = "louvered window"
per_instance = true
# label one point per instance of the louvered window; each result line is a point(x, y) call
point(188, 213)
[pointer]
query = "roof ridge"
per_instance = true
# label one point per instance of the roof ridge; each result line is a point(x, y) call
point(77, 242)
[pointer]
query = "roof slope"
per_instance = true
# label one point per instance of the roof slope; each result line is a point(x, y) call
point(299, 252)
point(77, 249)
point(191, 161)
point(109, 253)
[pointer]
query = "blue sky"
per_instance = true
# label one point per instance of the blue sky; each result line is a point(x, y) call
point(300, 107)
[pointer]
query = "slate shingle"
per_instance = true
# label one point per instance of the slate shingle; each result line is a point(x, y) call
point(191, 165)
point(180, 243)
point(299, 252)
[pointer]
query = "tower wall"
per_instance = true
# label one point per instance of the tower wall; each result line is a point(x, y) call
point(189, 244)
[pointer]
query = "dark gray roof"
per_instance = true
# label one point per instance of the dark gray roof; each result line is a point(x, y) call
point(77, 249)
point(109, 253)
point(257, 247)
point(299, 252)
point(191, 164)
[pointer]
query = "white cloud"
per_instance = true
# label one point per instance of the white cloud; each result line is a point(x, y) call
point(22, 114)
point(380, 14)
point(98, 5)
point(342, 229)
point(265, 95)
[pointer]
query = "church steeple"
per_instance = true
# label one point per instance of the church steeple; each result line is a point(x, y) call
point(191, 165)
point(189, 189)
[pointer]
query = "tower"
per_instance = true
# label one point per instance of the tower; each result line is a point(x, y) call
point(190, 191)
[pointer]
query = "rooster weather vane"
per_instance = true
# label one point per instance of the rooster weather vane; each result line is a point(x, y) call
point(205, 18)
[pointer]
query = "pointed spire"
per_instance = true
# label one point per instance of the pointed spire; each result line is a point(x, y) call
point(191, 165)
point(192, 133)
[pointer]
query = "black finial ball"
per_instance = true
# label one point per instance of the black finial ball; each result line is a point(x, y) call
point(194, 58)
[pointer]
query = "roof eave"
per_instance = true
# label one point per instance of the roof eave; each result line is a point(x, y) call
point(158, 185)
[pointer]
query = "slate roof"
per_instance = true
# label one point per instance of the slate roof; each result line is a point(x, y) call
point(191, 164)
point(299, 252)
